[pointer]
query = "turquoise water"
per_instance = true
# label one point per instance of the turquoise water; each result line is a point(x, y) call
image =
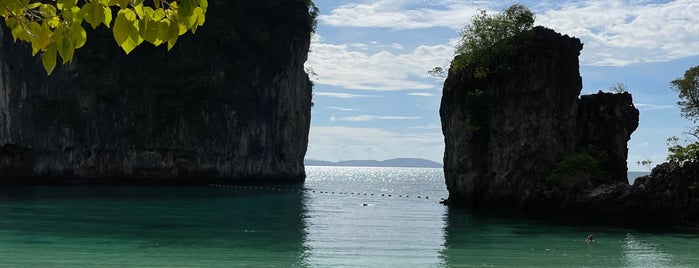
point(333, 220)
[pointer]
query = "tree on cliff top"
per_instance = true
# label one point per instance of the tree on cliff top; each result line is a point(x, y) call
point(55, 28)
point(485, 37)
point(688, 89)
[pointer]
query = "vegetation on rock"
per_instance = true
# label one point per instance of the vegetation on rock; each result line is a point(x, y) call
point(56, 28)
point(688, 89)
point(484, 40)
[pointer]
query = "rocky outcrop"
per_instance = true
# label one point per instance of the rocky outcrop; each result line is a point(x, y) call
point(668, 196)
point(505, 132)
point(518, 138)
point(229, 104)
point(605, 124)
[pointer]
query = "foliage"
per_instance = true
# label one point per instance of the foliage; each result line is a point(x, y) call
point(485, 38)
point(438, 72)
point(646, 163)
point(56, 28)
point(688, 88)
point(619, 88)
point(574, 170)
point(680, 155)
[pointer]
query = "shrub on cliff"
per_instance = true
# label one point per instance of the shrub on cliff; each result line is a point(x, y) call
point(574, 171)
point(484, 40)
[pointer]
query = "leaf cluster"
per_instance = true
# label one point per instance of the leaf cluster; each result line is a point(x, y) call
point(688, 89)
point(485, 38)
point(619, 88)
point(573, 173)
point(56, 28)
point(680, 155)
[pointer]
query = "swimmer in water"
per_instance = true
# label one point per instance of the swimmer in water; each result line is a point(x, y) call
point(590, 239)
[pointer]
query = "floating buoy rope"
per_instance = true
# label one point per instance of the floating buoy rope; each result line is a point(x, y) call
point(325, 192)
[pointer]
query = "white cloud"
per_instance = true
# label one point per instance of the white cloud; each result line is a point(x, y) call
point(341, 95)
point(430, 126)
point(342, 109)
point(651, 107)
point(615, 32)
point(392, 14)
point(366, 118)
point(619, 32)
point(347, 67)
point(421, 94)
point(345, 143)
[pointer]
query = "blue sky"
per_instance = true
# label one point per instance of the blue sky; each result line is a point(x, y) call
point(374, 99)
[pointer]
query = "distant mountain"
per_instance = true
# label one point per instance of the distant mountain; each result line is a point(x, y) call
point(397, 162)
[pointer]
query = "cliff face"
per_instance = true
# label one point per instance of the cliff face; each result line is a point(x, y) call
point(230, 103)
point(515, 138)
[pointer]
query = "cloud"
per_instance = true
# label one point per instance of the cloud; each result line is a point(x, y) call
point(352, 68)
point(619, 33)
point(396, 15)
point(421, 94)
point(342, 109)
point(651, 107)
point(430, 126)
point(366, 118)
point(341, 95)
point(615, 32)
point(344, 143)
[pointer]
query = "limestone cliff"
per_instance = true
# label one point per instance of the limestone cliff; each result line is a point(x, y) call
point(521, 139)
point(230, 103)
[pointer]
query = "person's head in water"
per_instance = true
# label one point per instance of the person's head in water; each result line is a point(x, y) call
point(590, 238)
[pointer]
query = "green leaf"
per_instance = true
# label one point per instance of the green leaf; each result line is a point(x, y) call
point(126, 31)
point(66, 48)
point(33, 5)
point(164, 30)
point(185, 9)
point(47, 10)
point(66, 4)
point(94, 14)
point(48, 58)
point(121, 28)
point(78, 34)
point(148, 29)
point(120, 3)
point(139, 11)
point(158, 14)
point(107, 16)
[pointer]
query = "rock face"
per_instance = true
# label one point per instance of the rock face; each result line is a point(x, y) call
point(521, 139)
point(668, 196)
point(229, 104)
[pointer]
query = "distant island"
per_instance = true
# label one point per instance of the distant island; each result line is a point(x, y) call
point(397, 162)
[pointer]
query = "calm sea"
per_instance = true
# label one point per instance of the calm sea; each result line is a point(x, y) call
point(341, 217)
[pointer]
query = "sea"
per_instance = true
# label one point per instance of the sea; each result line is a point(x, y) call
point(340, 217)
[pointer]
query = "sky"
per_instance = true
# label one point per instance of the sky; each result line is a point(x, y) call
point(373, 98)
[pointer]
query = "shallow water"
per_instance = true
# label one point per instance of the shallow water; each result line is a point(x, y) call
point(333, 220)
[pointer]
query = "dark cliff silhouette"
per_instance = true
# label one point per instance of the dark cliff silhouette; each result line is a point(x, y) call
point(521, 140)
point(228, 104)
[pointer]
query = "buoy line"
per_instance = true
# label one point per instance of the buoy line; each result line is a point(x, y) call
point(325, 192)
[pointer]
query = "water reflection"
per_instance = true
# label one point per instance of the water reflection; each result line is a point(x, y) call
point(151, 226)
point(396, 231)
point(640, 253)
